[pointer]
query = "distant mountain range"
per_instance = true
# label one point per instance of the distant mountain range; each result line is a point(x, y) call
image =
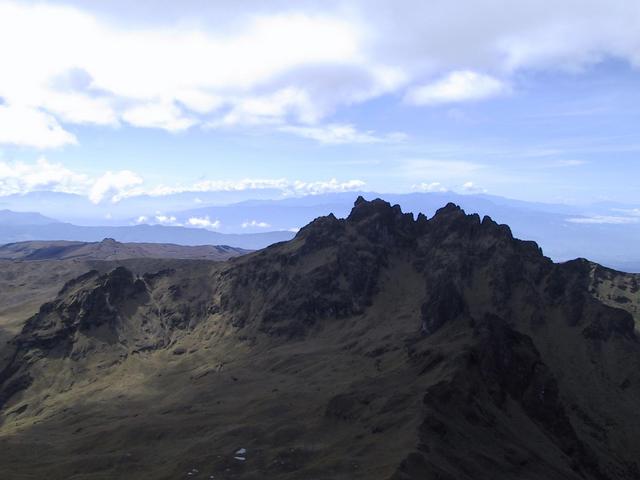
point(11, 218)
point(605, 232)
point(78, 209)
point(139, 234)
point(109, 249)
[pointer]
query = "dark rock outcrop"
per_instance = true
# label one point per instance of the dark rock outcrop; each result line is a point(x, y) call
point(495, 361)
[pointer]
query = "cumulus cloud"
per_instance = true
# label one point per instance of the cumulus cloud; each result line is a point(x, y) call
point(208, 186)
point(271, 109)
point(154, 77)
point(21, 177)
point(80, 108)
point(429, 187)
point(113, 184)
point(283, 185)
point(291, 66)
point(316, 188)
point(24, 177)
point(458, 86)
point(204, 222)
point(471, 187)
point(31, 127)
point(167, 220)
point(166, 116)
point(255, 224)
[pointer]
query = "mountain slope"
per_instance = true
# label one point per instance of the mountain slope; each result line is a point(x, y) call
point(109, 249)
point(376, 346)
point(138, 234)
point(563, 231)
point(11, 218)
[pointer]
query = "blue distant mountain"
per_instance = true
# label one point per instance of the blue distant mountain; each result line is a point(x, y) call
point(138, 234)
point(78, 209)
point(11, 218)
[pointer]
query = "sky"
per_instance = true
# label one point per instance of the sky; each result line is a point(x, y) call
point(534, 100)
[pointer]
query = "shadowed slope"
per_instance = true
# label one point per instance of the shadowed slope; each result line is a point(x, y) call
point(376, 346)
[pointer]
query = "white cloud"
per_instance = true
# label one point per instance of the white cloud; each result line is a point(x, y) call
point(113, 184)
point(605, 219)
point(209, 186)
point(255, 224)
point(429, 187)
point(283, 66)
point(471, 187)
point(167, 220)
point(166, 116)
point(316, 188)
point(199, 101)
point(80, 108)
point(154, 76)
point(203, 222)
point(26, 126)
point(20, 177)
point(274, 108)
point(335, 133)
point(283, 185)
point(459, 86)
point(23, 177)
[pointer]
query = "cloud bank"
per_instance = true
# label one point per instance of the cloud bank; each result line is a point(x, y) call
point(285, 66)
point(22, 178)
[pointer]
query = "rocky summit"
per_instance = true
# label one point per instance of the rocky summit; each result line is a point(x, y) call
point(379, 346)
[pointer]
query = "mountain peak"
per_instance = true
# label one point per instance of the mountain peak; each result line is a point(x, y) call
point(449, 208)
point(382, 223)
point(363, 209)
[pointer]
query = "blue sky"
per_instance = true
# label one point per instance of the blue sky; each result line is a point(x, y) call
point(536, 101)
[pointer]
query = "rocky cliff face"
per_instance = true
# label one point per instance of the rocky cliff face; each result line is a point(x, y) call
point(417, 348)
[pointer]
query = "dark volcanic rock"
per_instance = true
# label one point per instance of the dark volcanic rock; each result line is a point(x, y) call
point(436, 348)
point(90, 310)
point(445, 304)
point(83, 310)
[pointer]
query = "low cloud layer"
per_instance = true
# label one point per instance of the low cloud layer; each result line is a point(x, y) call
point(115, 186)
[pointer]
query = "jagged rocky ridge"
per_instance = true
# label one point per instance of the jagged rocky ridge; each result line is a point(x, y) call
point(497, 362)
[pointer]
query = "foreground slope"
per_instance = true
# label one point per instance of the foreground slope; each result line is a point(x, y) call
point(377, 346)
point(31, 273)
